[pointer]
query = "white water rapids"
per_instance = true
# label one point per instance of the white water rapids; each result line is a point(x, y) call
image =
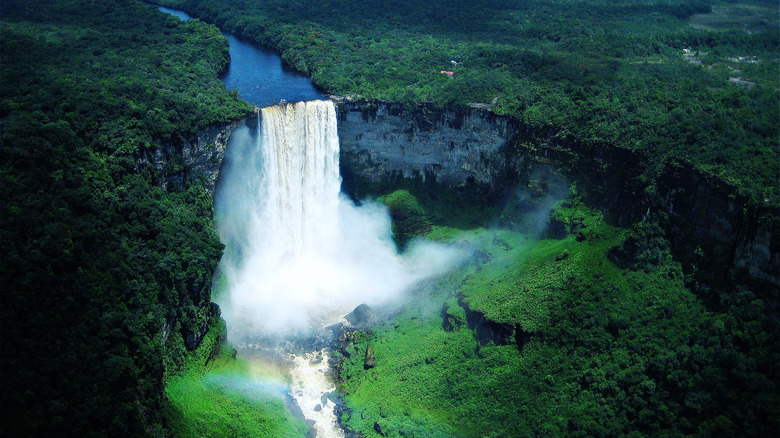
point(310, 385)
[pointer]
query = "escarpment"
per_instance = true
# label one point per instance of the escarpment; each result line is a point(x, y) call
point(723, 238)
point(201, 156)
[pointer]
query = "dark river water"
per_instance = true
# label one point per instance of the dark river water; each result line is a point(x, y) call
point(259, 75)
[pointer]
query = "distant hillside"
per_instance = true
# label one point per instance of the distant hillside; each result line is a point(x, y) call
point(689, 80)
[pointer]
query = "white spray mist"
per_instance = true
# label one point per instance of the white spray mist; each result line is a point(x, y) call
point(298, 253)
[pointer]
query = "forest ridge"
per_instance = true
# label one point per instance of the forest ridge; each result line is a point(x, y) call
point(687, 80)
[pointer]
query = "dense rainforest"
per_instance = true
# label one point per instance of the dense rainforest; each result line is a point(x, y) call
point(594, 329)
point(106, 261)
point(589, 329)
point(631, 73)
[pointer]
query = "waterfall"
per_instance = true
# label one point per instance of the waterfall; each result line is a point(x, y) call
point(300, 149)
point(298, 254)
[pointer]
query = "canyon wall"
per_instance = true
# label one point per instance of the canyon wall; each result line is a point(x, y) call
point(201, 156)
point(383, 142)
point(722, 238)
point(175, 164)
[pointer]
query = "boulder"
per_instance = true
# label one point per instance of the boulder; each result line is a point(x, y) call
point(361, 316)
point(370, 360)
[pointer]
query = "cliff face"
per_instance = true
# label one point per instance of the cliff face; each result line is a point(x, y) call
point(199, 157)
point(727, 238)
point(718, 235)
point(382, 142)
point(176, 164)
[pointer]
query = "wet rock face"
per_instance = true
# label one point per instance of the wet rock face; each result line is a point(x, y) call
point(203, 157)
point(718, 233)
point(714, 231)
point(382, 141)
point(200, 157)
point(193, 337)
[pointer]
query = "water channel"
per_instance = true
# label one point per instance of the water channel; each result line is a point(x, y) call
point(258, 74)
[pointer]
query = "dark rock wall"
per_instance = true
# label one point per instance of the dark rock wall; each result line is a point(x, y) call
point(723, 239)
point(380, 142)
point(200, 157)
point(721, 236)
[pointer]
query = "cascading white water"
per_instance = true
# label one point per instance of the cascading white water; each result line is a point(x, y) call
point(298, 254)
point(310, 384)
point(301, 167)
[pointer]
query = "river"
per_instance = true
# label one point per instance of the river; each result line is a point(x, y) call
point(258, 74)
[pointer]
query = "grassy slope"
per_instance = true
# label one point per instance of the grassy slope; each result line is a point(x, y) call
point(227, 400)
point(610, 354)
point(223, 396)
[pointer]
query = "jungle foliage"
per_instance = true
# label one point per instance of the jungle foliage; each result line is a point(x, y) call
point(596, 348)
point(104, 266)
point(630, 73)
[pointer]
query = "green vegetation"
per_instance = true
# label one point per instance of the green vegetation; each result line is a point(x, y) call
point(408, 217)
point(220, 396)
point(107, 263)
point(213, 406)
point(585, 330)
point(613, 351)
point(630, 73)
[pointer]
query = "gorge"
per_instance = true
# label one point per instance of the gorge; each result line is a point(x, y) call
point(582, 254)
point(475, 154)
point(384, 143)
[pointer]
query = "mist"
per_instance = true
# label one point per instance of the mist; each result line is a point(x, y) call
point(299, 254)
point(529, 206)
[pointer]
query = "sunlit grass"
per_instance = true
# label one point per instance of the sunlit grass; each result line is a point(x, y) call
point(221, 395)
point(430, 382)
point(235, 398)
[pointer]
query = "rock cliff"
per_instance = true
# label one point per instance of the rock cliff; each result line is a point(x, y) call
point(719, 235)
point(384, 142)
point(200, 157)
point(176, 164)
point(722, 238)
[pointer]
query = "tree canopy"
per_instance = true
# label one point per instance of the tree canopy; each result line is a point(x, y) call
point(688, 80)
point(103, 268)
